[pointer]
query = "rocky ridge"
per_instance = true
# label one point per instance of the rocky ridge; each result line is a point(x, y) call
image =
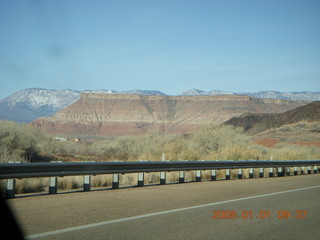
point(255, 123)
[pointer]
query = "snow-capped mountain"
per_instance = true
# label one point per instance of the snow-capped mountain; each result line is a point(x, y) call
point(36, 98)
point(143, 92)
point(100, 91)
point(303, 96)
point(135, 91)
point(197, 92)
point(29, 104)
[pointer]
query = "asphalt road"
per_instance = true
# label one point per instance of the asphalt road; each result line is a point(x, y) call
point(179, 211)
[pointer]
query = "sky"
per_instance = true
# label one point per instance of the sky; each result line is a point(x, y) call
point(167, 45)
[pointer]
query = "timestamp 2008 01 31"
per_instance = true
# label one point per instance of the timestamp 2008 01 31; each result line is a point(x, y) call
point(263, 214)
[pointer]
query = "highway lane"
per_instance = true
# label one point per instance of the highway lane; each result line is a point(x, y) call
point(179, 211)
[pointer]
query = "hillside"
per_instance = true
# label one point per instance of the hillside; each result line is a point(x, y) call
point(118, 114)
point(255, 123)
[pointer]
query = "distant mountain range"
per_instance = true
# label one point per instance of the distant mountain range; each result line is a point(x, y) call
point(29, 104)
point(303, 96)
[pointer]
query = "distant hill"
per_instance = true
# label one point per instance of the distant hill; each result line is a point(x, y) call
point(255, 123)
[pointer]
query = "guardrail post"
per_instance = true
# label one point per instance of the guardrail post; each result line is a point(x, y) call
point(227, 174)
point(270, 172)
point(251, 172)
point(53, 185)
point(315, 169)
point(240, 173)
point(302, 171)
point(115, 181)
point(162, 178)
point(163, 174)
point(309, 170)
point(11, 185)
point(181, 176)
point(279, 171)
point(198, 174)
point(53, 182)
point(141, 177)
point(86, 183)
point(213, 175)
point(261, 173)
point(295, 172)
point(287, 171)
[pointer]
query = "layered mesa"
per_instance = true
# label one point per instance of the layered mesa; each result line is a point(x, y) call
point(118, 114)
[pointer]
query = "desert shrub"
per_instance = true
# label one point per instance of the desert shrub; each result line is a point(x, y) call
point(211, 142)
point(238, 153)
point(213, 138)
point(174, 149)
point(294, 152)
point(146, 147)
point(22, 142)
point(18, 142)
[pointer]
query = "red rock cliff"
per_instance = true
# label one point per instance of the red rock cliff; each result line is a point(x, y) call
point(118, 114)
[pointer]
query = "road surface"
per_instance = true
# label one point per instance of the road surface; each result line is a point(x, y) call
point(254, 208)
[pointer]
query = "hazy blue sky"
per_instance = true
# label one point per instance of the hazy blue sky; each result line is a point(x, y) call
point(170, 46)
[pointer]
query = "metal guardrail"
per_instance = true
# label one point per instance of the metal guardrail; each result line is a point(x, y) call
point(12, 171)
point(60, 169)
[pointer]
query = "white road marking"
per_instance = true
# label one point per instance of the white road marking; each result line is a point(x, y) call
point(45, 234)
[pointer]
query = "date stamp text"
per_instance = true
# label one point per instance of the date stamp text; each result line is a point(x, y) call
point(263, 214)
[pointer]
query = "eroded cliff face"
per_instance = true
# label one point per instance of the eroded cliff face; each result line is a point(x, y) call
point(106, 114)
